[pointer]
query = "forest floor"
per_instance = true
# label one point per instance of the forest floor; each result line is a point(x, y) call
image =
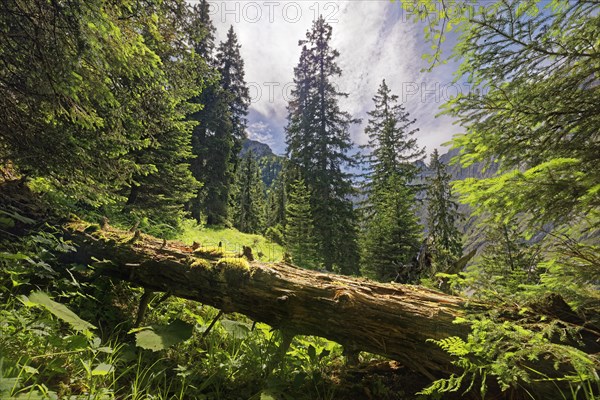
point(231, 240)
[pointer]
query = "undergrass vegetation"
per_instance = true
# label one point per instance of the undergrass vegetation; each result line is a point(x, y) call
point(231, 241)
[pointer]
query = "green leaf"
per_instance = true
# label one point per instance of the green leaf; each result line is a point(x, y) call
point(13, 256)
point(236, 328)
point(159, 337)
point(267, 395)
point(312, 352)
point(103, 369)
point(18, 217)
point(41, 299)
point(8, 384)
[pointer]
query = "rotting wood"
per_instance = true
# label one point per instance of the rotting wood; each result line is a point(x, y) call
point(391, 320)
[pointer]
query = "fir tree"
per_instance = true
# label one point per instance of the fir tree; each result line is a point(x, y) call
point(74, 100)
point(299, 230)
point(248, 196)
point(231, 67)
point(318, 143)
point(391, 236)
point(442, 215)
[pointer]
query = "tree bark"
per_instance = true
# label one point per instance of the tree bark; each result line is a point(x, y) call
point(391, 320)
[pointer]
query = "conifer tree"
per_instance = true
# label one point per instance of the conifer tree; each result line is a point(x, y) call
point(299, 230)
point(162, 191)
point(391, 236)
point(212, 142)
point(442, 215)
point(318, 143)
point(248, 196)
point(392, 148)
point(275, 204)
point(231, 67)
point(74, 99)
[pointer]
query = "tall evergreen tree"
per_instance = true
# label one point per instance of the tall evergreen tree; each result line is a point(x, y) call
point(392, 148)
point(390, 197)
point(212, 142)
point(74, 100)
point(275, 204)
point(318, 142)
point(248, 196)
point(231, 66)
point(163, 191)
point(392, 235)
point(300, 237)
point(442, 215)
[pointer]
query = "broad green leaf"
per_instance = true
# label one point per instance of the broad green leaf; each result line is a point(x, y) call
point(41, 299)
point(267, 395)
point(236, 328)
point(8, 384)
point(159, 337)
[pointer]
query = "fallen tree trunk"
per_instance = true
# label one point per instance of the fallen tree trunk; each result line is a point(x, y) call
point(391, 320)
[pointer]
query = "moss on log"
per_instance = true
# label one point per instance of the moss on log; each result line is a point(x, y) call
point(391, 320)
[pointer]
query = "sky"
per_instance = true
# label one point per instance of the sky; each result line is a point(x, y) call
point(376, 40)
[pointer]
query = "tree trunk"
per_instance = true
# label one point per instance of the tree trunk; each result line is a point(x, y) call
point(391, 320)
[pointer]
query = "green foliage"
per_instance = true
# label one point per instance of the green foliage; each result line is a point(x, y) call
point(230, 65)
point(392, 235)
point(93, 98)
point(533, 111)
point(44, 357)
point(276, 203)
point(392, 148)
point(391, 231)
point(160, 337)
point(508, 352)
point(275, 234)
point(444, 238)
point(318, 142)
point(248, 192)
point(299, 231)
point(41, 299)
point(212, 138)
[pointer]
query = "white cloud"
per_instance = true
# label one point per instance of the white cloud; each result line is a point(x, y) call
point(375, 40)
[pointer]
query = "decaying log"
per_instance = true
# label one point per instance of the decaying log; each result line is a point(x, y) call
point(391, 320)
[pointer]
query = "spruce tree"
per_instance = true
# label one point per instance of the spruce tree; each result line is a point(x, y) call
point(392, 148)
point(212, 141)
point(248, 196)
point(74, 99)
point(299, 235)
point(231, 67)
point(390, 195)
point(162, 191)
point(442, 215)
point(392, 235)
point(318, 143)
